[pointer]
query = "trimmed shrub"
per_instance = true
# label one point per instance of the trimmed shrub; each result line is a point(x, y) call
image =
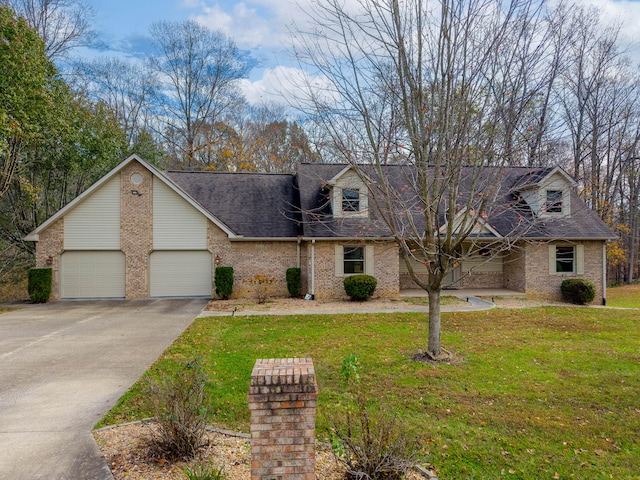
point(224, 282)
point(360, 287)
point(578, 290)
point(293, 281)
point(39, 284)
point(179, 408)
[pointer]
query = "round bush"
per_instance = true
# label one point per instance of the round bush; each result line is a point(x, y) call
point(578, 291)
point(360, 287)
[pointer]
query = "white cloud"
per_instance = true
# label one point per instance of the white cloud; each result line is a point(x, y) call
point(613, 12)
point(284, 86)
point(248, 25)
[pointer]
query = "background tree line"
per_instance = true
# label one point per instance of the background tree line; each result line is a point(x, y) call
point(569, 95)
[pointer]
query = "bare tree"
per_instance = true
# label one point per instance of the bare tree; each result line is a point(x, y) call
point(198, 70)
point(454, 80)
point(62, 24)
point(126, 88)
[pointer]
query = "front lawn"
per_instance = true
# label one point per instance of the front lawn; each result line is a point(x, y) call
point(538, 393)
point(626, 296)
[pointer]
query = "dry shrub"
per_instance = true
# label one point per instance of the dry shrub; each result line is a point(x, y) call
point(373, 444)
point(262, 286)
point(179, 407)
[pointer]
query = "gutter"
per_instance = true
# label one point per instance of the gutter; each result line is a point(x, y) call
point(313, 269)
point(604, 274)
point(309, 239)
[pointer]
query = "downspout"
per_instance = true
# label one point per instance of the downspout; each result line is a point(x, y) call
point(313, 269)
point(298, 253)
point(604, 273)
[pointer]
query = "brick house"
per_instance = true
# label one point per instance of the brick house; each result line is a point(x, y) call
point(139, 232)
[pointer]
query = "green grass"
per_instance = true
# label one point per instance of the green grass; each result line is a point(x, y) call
point(447, 300)
point(534, 393)
point(626, 296)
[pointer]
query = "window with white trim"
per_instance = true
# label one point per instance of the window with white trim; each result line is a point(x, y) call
point(350, 200)
point(565, 259)
point(553, 202)
point(353, 260)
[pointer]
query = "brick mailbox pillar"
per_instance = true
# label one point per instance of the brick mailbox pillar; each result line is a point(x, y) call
point(282, 399)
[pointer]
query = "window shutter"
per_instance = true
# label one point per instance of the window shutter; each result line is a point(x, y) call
point(339, 257)
point(580, 259)
point(552, 260)
point(369, 260)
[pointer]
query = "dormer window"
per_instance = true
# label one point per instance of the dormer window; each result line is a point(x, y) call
point(350, 200)
point(349, 195)
point(554, 201)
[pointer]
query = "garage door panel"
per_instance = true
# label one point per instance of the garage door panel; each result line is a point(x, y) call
point(180, 274)
point(90, 274)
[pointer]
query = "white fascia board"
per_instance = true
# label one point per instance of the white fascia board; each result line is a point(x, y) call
point(336, 177)
point(34, 235)
point(346, 169)
point(483, 224)
point(569, 179)
point(563, 173)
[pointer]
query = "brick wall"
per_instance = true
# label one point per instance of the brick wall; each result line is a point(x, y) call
point(282, 398)
point(514, 270)
point(329, 285)
point(482, 280)
point(250, 258)
point(51, 244)
point(136, 229)
point(544, 285)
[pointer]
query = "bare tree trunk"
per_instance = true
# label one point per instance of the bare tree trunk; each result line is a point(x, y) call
point(434, 349)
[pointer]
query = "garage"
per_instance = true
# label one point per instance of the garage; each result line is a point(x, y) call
point(91, 274)
point(180, 274)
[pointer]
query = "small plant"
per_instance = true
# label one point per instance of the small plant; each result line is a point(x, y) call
point(371, 444)
point(578, 291)
point(39, 284)
point(262, 286)
point(360, 287)
point(293, 281)
point(223, 278)
point(204, 471)
point(178, 403)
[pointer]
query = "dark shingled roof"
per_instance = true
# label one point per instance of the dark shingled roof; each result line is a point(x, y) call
point(287, 206)
point(250, 204)
point(510, 217)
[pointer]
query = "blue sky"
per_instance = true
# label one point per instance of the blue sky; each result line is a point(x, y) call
point(261, 28)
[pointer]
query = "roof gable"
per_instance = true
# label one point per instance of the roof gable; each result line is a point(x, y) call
point(34, 236)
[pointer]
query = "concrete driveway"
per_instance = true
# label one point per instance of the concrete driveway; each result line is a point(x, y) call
point(62, 366)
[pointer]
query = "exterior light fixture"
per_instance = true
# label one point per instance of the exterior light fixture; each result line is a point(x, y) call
point(217, 260)
point(136, 192)
point(49, 261)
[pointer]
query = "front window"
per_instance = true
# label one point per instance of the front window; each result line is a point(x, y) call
point(565, 259)
point(353, 260)
point(554, 201)
point(350, 200)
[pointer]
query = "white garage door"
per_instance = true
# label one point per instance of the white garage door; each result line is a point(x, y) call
point(180, 274)
point(92, 274)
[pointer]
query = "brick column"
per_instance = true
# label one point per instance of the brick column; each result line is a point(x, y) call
point(282, 399)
